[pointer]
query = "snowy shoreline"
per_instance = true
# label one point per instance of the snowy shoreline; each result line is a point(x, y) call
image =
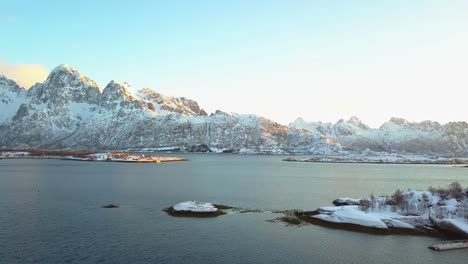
point(412, 212)
point(86, 156)
point(382, 158)
point(147, 155)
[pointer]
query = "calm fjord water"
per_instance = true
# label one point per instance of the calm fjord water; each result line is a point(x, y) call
point(50, 211)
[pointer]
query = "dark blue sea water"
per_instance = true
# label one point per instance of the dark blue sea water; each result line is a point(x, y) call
point(50, 211)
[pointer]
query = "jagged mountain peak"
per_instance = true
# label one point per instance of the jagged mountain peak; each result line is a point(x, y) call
point(65, 84)
point(298, 120)
point(11, 97)
point(147, 91)
point(430, 123)
point(116, 90)
point(179, 105)
point(344, 128)
point(66, 76)
point(357, 122)
point(63, 67)
point(301, 120)
point(10, 85)
point(300, 123)
point(118, 97)
point(354, 120)
point(399, 121)
point(5, 80)
point(120, 86)
point(395, 123)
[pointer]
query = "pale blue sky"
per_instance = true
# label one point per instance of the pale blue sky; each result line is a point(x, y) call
point(322, 60)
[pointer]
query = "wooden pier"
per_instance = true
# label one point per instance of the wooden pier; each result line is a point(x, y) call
point(449, 245)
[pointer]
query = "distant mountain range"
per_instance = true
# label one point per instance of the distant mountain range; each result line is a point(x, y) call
point(70, 111)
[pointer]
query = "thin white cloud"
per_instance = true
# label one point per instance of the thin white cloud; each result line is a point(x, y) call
point(25, 75)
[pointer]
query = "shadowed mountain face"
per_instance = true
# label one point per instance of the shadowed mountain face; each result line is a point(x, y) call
point(68, 110)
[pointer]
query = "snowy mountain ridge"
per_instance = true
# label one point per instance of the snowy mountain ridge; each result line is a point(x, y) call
point(69, 111)
point(397, 135)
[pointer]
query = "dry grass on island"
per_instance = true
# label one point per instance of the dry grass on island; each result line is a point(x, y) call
point(84, 156)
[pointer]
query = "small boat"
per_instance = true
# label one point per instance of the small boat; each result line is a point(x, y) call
point(455, 244)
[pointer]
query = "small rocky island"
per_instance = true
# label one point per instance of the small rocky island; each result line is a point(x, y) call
point(85, 156)
point(196, 209)
point(413, 212)
point(110, 206)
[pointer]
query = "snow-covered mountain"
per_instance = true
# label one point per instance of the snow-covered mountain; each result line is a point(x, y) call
point(397, 135)
point(167, 104)
point(69, 111)
point(11, 97)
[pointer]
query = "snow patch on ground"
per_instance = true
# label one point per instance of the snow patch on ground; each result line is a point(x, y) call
point(459, 223)
point(84, 111)
point(14, 154)
point(194, 206)
point(397, 223)
point(100, 156)
point(350, 215)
